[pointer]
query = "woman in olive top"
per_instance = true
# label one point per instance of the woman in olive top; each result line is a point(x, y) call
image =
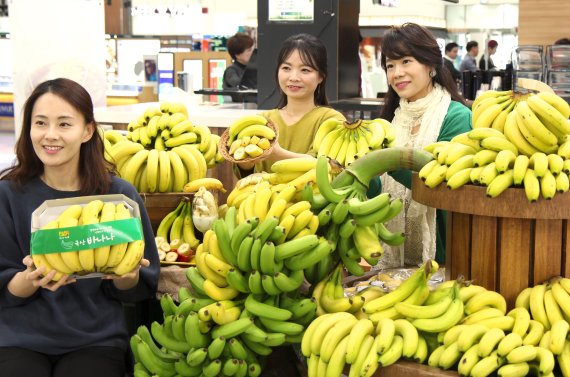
point(301, 76)
point(424, 106)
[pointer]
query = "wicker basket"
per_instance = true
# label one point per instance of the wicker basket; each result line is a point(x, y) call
point(224, 148)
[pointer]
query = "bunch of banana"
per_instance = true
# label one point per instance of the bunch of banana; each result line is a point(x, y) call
point(198, 336)
point(177, 227)
point(249, 136)
point(335, 340)
point(255, 256)
point(118, 259)
point(486, 157)
point(345, 142)
point(415, 291)
point(168, 127)
point(158, 170)
point(351, 221)
point(548, 303)
point(296, 172)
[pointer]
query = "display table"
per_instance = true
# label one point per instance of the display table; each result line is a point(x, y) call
point(405, 368)
point(506, 243)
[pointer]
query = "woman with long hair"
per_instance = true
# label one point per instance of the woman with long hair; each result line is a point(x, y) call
point(301, 77)
point(424, 106)
point(67, 327)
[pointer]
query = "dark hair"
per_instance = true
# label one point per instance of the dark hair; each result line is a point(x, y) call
point(450, 46)
point(238, 43)
point(492, 43)
point(414, 40)
point(471, 44)
point(94, 169)
point(313, 53)
point(562, 41)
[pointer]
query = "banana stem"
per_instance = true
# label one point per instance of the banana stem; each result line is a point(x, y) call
point(381, 161)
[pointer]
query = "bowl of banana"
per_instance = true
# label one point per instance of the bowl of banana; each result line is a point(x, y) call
point(248, 139)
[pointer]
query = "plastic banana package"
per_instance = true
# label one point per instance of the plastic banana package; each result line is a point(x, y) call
point(87, 236)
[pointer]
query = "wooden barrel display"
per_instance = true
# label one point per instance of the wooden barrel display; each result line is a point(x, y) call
point(506, 243)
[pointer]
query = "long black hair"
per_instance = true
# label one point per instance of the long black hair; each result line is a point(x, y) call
point(414, 40)
point(313, 53)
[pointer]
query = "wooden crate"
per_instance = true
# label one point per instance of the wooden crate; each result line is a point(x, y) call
point(158, 205)
point(506, 243)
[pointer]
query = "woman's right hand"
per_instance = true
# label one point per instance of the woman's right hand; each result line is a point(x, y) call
point(35, 276)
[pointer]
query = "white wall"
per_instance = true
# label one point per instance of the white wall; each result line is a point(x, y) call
point(429, 13)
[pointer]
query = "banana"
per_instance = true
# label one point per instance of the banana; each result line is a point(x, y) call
point(318, 334)
point(208, 183)
point(531, 185)
point(324, 129)
point(260, 130)
point(462, 163)
point(509, 343)
point(443, 322)
point(553, 119)
point(531, 134)
point(199, 157)
point(564, 360)
point(546, 361)
point(333, 337)
point(164, 171)
point(486, 365)
point(498, 144)
point(264, 310)
point(557, 102)
point(450, 356)
point(426, 169)
point(436, 176)
point(457, 151)
point(558, 338)
point(486, 299)
point(219, 293)
point(470, 336)
point(500, 120)
point(522, 354)
point(433, 360)
point(520, 165)
point(132, 258)
point(534, 334)
point(522, 320)
point(490, 341)
point(505, 159)
point(548, 185)
point(486, 117)
point(152, 362)
point(534, 125)
point(483, 133)
point(539, 162)
point(537, 308)
point(468, 360)
point(513, 133)
point(500, 183)
point(514, 370)
point(562, 182)
point(357, 334)
point(466, 140)
point(562, 298)
point(393, 353)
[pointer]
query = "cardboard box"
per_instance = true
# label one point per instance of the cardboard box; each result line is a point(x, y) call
point(83, 237)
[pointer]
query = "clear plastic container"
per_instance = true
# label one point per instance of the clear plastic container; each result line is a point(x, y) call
point(558, 57)
point(528, 58)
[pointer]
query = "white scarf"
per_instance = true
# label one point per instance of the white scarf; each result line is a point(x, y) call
point(416, 219)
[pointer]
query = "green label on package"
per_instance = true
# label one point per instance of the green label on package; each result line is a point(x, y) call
point(83, 237)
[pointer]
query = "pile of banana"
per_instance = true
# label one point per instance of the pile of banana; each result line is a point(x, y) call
point(168, 127)
point(345, 142)
point(177, 227)
point(249, 136)
point(118, 259)
point(296, 172)
point(517, 140)
point(172, 159)
point(200, 336)
point(334, 340)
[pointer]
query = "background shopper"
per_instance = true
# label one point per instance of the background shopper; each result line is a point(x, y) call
point(424, 106)
point(469, 62)
point(240, 48)
point(70, 327)
point(451, 50)
point(491, 49)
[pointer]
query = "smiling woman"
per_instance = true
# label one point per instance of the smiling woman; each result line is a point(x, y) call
point(424, 106)
point(68, 327)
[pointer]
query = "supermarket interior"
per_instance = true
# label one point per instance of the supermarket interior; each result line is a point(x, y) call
point(328, 188)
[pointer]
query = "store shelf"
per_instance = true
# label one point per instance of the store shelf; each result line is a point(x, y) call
point(159, 205)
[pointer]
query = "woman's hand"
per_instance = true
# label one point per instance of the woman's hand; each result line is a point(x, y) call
point(35, 276)
point(130, 279)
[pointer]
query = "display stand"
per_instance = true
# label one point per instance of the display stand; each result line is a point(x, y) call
point(506, 243)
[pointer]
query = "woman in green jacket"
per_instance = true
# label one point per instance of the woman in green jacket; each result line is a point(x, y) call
point(424, 106)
